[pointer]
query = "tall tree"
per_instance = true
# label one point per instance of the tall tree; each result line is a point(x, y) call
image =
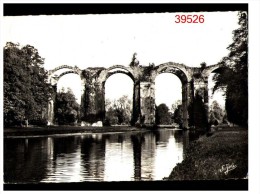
point(66, 107)
point(233, 77)
point(198, 113)
point(26, 90)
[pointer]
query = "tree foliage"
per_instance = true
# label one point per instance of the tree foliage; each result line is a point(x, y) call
point(66, 108)
point(119, 111)
point(162, 115)
point(233, 77)
point(26, 90)
point(134, 61)
point(198, 113)
point(175, 105)
point(178, 115)
point(216, 113)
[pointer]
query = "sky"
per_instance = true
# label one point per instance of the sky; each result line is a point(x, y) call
point(111, 39)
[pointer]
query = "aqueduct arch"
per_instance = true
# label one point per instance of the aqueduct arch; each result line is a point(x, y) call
point(53, 78)
point(184, 74)
point(194, 82)
point(105, 74)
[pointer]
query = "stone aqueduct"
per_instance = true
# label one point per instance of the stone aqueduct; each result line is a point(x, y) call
point(194, 82)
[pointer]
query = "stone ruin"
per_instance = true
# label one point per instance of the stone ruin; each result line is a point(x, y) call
point(194, 82)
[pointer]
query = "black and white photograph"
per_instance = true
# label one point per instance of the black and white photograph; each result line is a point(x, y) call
point(126, 96)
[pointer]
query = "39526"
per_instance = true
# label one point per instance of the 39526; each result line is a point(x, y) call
point(189, 19)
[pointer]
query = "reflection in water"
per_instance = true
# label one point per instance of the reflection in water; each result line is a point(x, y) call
point(128, 156)
point(118, 160)
point(148, 156)
point(25, 160)
point(137, 149)
point(65, 165)
point(93, 157)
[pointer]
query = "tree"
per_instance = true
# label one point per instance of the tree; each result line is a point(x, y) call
point(119, 111)
point(162, 115)
point(175, 105)
point(203, 65)
point(134, 61)
point(198, 113)
point(178, 115)
point(66, 108)
point(216, 113)
point(26, 91)
point(233, 77)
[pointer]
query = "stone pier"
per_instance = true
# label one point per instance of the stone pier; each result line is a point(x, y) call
point(50, 113)
point(147, 103)
point(136, 104)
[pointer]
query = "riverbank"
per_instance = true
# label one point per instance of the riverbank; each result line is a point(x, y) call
point(218, 156)
point(58, 130)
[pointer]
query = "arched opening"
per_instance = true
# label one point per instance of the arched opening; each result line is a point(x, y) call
point(217, 112)
point(68, 97)
point(70, 82)
point(168, 100)
point(118, 98)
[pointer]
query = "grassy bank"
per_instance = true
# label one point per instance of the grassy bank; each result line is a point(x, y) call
point(50, 130)
point(223, 155)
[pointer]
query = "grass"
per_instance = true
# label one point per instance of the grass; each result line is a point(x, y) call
point(223, 155)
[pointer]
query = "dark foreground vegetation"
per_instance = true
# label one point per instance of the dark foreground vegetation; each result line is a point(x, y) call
point(224, 153)
point(220, 155)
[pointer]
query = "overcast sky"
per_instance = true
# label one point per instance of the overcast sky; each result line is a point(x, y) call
point(110, 39)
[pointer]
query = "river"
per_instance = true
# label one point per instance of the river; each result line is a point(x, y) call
point(127, 156)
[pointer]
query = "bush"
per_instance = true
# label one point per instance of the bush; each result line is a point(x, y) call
point(106, 122)
point(39, 122)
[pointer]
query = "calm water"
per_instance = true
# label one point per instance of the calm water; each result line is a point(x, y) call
point(94, 157)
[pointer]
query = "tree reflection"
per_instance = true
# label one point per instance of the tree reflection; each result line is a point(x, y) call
point(145, 155)
point(93, 157)
point(20, 156)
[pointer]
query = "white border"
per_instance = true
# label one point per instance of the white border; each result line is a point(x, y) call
point(254, 86)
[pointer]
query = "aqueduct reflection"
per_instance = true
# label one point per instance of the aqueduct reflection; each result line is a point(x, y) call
point(194, 82)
